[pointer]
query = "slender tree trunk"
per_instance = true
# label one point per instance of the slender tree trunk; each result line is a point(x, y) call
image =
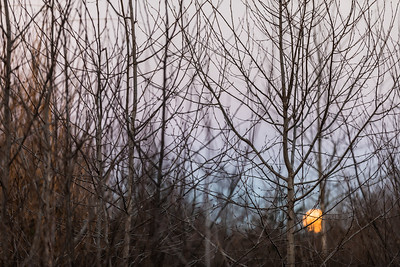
point(131, 133)
point(290, 224)
point(324, 242)
point(324, 237)
point(99, 166)
point(5, 175)
point(207, 246)
point(157, 255)
point(47, 188)
point(207, 226)
point(290, 253)
point(49, 231)
point(68, 166)
point(101, 224)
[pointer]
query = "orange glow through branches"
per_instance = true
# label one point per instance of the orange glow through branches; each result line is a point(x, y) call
point(313, 220)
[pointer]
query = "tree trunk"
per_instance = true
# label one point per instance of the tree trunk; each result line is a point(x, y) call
point(290, 224)
point(322, 182)
point(130, 120)
point(5, 175)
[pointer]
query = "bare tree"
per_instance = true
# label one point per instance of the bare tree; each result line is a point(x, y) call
point(295, 91)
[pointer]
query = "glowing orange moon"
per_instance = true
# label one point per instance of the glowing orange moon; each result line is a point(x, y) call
point(313, 220)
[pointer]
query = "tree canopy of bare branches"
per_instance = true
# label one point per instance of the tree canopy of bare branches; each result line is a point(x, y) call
point(199, 133)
